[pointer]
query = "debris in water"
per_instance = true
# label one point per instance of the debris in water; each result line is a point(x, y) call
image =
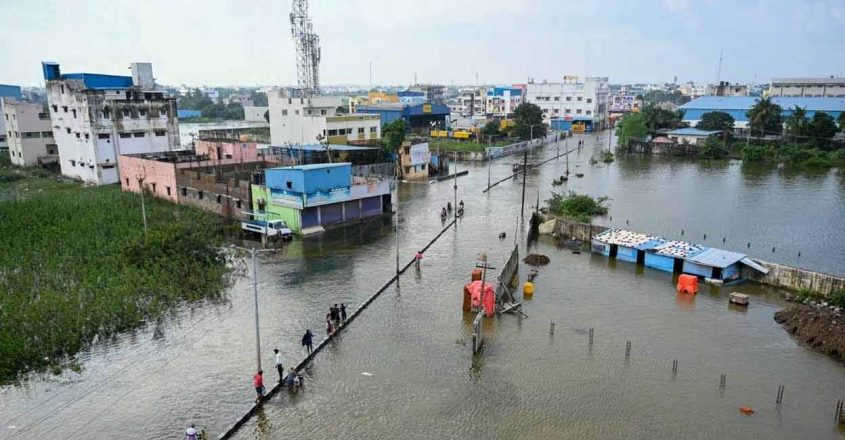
point(536, 260)
point(364, 373)
point(747, 410)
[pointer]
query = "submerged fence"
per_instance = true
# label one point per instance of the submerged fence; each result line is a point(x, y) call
point(496, 152)
point(506, 277)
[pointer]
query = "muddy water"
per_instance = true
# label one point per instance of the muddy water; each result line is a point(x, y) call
point(196, 366)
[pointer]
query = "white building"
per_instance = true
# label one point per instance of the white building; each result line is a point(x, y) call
point(808, 87)
point(469, 102)
point(572, 100)
point(502, 101)
point(300, 120)
point(96, 118)
point(255, 113)
point(29, 133)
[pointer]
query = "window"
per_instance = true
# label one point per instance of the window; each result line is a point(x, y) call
point(138, 134)
point(168, 189)
point(127, 181)
point(77, 135)
point(568, 98)
point(154, 187)
point(289, 184)
point(63, 90)
point(578, 111)
point(160, 132)
point(47, 134)
point(332, 132)
point(199, 194)
point(74, 113)
point(238, 204)
point(580, 98)
point(360, 130)
point(567, 111)
point(126, 113)
point(557, 98)
point(125, 135)
point(589, 100)
point(106, 113)
point(68, 130)
point(103, 136)
point(163, 111)
point(323, 112)
point(589, 112)
point(372, 129)
point(296, 112)
point(284, 112)
point(142, 112)
point(7, 116)
point(64, 108)
point(184, 191)
point(219, 199)
point(87, 136)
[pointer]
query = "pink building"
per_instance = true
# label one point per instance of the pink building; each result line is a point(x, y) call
point(246, 151)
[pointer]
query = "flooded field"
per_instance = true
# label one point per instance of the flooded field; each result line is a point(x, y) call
point(196, 365)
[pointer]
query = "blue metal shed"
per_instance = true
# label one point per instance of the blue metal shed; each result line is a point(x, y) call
point(9, 91)
point(310, 179)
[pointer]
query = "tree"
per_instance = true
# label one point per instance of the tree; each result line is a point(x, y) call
point(657, 118)
point(393, 134)
point(713, 149)
point(341, 110)
point(528, 121)
point(822, 128)
point(632, 126)
point(720, 121)
point(259, 99)
point(841, 121)
point(796, 123)
point(491, 128)
point(765, 117)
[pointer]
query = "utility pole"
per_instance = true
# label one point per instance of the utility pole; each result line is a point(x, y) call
point(255, 293)
point(524, 167)
point(143, 206)
point(396, 228)
point(456, 192)
point(489, 164)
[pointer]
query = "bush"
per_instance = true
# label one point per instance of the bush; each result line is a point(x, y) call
point(578, 207)
point(713, 149)
point(837, 298)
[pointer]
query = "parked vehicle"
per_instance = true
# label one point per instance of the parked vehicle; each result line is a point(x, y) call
point(271, 228)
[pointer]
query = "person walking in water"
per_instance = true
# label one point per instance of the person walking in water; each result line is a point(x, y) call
point(258, 383)
point(417, 259)
point(329, 325)
point(343, 312)
point(279, 367)
point(191, 433)
point(334, 311)
point(307, 340)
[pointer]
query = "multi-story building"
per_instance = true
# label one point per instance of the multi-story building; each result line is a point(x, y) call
point(96, 118)
point(29, 133)
point(502, 101)
point(469, 102)
point(725, 88)
point(808, 87)
point(433, 93)
point(585, 102)
point(6, 91)
point(255, 113)
point(310, 120)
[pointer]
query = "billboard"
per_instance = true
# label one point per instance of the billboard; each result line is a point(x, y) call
point(622, 103)
point(419, 153)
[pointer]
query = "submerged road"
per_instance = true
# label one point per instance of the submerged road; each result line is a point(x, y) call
point(196, 365)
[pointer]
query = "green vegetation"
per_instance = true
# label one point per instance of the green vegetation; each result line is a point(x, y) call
point(765, 118)
point(837, 298)
point(528, 122)
point(491, 128)
point(468, 145)
point(657, 118)
point(75, 264)
point(211, 111)
point(577, 207)
point(659, 96)
point(393, 134)
point(720, 121)
point(631, 127)
point(606, 156)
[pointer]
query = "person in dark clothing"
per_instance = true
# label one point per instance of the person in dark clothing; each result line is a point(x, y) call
point(307, 341)
point(335, 312)
point(343, 311)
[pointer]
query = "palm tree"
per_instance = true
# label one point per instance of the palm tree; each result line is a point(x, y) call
point(765, 117)
point(797, 123)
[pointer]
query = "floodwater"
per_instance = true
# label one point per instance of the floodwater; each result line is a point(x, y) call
point(189, 131)
point(423, 382)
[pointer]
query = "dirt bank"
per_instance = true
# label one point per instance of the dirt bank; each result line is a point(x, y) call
point(820, 328)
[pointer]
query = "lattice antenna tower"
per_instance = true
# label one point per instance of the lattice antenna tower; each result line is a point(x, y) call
point(307, 49)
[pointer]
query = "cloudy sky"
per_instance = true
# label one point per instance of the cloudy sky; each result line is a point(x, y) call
point(248, 42)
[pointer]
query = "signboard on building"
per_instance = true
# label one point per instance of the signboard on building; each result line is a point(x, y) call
point(426, 108)
point(419, 153)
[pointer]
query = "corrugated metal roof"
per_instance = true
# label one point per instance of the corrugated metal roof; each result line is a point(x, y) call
point(622, 237)
point(754, 265)
point(716, 257)
point(836, 81)
point(746, 102)
point(679, 249)
point(689, 131)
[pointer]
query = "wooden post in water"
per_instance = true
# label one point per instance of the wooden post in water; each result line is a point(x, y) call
point(675, 366)
point(780, 395)
point(839, 417)
point(628, 349)
point(722, 380)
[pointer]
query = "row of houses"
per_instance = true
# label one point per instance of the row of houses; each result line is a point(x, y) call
point(674, 256)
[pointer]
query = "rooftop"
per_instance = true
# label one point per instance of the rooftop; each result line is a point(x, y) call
point(314, 166)
point(840, 81)
point(176, 156)
point(319, 147)
point(679, 249)
point(716, 257)
point(746, 102)
point(689, 131)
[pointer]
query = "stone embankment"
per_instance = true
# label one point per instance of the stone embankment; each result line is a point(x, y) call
point(818, 325)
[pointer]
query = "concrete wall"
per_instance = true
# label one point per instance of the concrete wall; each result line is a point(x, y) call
point(159, 177)
point(227, 196)
point(241, 151)
point(574, 230)
point(795, 278)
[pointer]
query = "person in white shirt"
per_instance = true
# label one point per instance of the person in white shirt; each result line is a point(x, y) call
point(191, 433)
point(279, 367)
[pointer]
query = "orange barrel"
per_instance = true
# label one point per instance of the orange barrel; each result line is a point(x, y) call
point(467, 299)
point(687, 284)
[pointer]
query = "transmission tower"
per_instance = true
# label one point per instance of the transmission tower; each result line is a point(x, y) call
point(307, 49)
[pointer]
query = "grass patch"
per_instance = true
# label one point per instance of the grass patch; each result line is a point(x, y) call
point(74, 263)
point(455, 145)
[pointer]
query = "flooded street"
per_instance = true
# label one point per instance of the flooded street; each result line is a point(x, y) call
point(196, 365)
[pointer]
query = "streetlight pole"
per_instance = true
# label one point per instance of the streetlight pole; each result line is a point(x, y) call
point(257, 333)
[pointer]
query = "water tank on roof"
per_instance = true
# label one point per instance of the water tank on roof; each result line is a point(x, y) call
point(142, 75)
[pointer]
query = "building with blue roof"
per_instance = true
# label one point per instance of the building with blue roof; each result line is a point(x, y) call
point(690, 135)
point(96, 118)
point(313, 197)
point(673, 256)
point(503, 100)
point(738, 106)
point(7, 91)
point(419, 117)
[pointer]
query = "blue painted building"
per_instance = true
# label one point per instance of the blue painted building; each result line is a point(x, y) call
point(95, 81)
point(7, 91)
point(673, 256)
point(313, 197)
point(187, 114)
point(737, 106)
point(418, 116)
point(565, 124)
